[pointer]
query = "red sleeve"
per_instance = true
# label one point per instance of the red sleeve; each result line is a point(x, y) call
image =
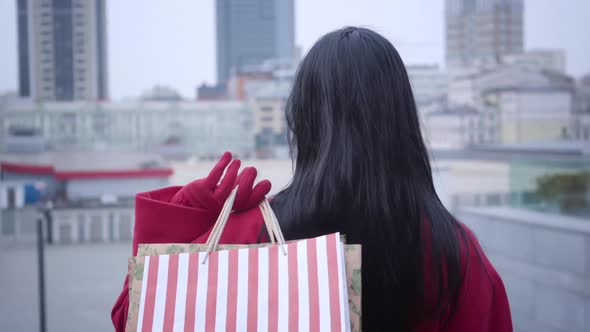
point(157, 221)
point(482, 304)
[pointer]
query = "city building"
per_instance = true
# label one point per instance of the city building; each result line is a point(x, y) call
point(252, 31)
point(480, 32)
point(207, 92)
point(82, 196)
point(80, 177)
point(238, 86)
point(507, 104)
point(581, 120)
point(531, 114)
point(270, 127)
point(161, 93)
point(538, 60)
point(62, 48)
point(467, 89)
point(266, 88)
point(452, 128)
point(202, 128)
point(428, 81)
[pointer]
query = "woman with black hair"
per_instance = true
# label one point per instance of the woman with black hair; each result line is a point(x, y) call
point(362, 169)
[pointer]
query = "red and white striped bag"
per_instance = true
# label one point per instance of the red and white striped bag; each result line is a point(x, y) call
point(295, 286)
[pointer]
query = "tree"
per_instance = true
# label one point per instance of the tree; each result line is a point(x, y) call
point(568, 190)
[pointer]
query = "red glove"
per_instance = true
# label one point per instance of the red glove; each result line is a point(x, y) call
point(210, 194)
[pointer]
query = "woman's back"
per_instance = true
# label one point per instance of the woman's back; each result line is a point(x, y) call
point(362, 168)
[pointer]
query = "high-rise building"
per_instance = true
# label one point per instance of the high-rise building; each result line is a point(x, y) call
point(62, 46)
point(480, 32)
point(252, 31)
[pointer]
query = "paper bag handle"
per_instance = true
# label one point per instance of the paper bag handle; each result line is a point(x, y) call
point(270, 221)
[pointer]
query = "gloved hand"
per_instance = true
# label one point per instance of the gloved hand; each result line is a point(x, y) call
point(210, 194)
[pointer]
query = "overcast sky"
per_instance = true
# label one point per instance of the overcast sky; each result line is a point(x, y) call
point(173, 42)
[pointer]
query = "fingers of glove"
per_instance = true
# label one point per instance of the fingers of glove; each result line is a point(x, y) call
point(217, 171)
point(258, 193)
point(199, 196)
point(245, 183)
point(228, 182)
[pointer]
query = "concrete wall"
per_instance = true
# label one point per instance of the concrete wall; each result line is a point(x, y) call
point(544, 261)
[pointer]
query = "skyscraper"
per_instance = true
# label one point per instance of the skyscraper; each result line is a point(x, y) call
point(252, 31)
point(479, 32)
point(62, 46)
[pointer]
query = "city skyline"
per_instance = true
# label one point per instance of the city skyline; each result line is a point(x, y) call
point(167, 56)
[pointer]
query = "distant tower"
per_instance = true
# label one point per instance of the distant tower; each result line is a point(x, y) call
point(479, 32)
point(62, 46)
point(252, 31)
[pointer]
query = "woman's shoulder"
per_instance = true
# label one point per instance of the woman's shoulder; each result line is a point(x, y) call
point(482, 302)
point(472, 252)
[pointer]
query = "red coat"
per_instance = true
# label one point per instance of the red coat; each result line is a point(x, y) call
point(482, 305)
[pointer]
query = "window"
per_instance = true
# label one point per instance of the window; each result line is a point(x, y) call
point(81, 228)
point(266, 109)
point(96, 228)
point(266, 118)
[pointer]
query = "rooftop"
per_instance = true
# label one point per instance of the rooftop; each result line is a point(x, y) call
point(86, 165)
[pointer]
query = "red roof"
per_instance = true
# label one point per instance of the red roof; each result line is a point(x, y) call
point(27, 169)
point(86, 174)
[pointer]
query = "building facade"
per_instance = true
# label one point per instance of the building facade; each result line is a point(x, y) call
point(452, 129)
point(532, 114)
point(538, 60)
point(480, 32)
point(581, 120)
point(62, 46)
point(468, 89)
point(252, 31)
point(203, 128)
point(428, 81)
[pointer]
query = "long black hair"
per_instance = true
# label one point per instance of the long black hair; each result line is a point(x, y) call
point(362, 168)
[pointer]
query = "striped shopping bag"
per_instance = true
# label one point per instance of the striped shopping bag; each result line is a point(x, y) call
point(249, 289)
point(295, 286)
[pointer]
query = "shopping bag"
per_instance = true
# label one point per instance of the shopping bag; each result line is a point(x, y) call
point(301, 285)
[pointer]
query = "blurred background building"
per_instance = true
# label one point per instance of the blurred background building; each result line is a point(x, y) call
point(480, 32)
point(428, 82)
point(62, 48)
point(252, 31)
point(203, 129)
